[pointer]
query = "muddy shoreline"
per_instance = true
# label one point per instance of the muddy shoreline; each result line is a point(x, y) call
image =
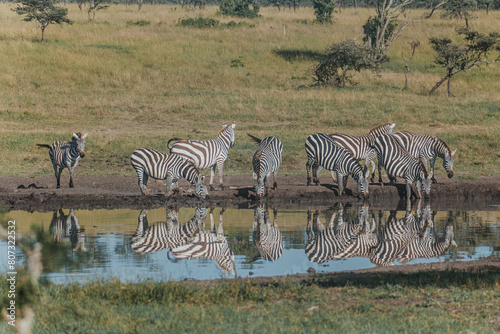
point(114, 192)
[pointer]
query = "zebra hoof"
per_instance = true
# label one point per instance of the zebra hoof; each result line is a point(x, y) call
point(212, 188)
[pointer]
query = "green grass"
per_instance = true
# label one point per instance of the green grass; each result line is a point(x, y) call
point(135, 85)
point(446, 301)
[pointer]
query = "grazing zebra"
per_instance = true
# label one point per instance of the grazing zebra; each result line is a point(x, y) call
point(158, 165)
point(208, 153)
point(398, 234)
point(165, 235)
point(67, 229)
point(322, 151)
point(399, 163)
point(209, 245)
point(427, 148)
point(66, 155)
point(266, 161)
point(326, 243)
point(266, 235)
point(361, 146)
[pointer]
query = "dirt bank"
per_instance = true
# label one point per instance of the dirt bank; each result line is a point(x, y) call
point(111, 192)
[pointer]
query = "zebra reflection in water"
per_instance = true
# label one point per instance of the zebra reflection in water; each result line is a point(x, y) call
point(410, 238)
point(66, 228)
point(166, 235)
point(266, 234)
point(210, 244)
point(340, 239)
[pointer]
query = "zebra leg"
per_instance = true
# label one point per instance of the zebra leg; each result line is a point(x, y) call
point(432, 161)
point(143, 183)
point(334, 176)
point(275, 184)
point(266, 185)
point(340, 181)
point(315, 171)
point(212, 174)
point(170, 185)
point(308, 167)
point(58, 175)
point(379, 167)
point(71, 173)
point(221, 168)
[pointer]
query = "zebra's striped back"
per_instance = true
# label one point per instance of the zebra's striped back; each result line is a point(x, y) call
point(204, 154)
point(266, 235)
point(360, 146)
point(323, 151)
point(427, 147)
point(158, 165)
point(399, 163)
point(266, 161)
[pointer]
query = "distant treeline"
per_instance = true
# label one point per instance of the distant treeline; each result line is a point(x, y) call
point(290, 4)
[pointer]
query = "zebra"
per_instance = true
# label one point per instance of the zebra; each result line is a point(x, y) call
point(427, 148)
point(209, 244)
point(399, 163)
point(66, 155)
point(322, 151)
point(266, 235)
point(266, 161)
point(66, 228)
point(165, 235)
point(361, 146)
point(326, 243)
point(158, 165)
point(208, 153)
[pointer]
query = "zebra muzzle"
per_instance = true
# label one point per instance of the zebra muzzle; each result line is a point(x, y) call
point(450, 175)
point(82, 154)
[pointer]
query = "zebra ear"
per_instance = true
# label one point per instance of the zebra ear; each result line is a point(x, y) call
point(453, 152)
point(367, 173)
point(254, 176)
point(75, 136)
point(84, 136)
point(233, 125)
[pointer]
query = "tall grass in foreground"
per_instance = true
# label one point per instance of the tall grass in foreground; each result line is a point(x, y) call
point(139, 85)
point(445, 301)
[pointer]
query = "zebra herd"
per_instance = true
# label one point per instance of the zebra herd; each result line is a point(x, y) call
point(401, 154)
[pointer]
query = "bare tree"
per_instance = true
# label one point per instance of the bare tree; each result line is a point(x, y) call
point(413, 45)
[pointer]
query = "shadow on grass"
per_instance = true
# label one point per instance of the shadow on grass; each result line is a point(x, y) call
point(298, 55)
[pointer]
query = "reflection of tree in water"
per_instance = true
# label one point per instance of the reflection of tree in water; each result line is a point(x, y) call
point(266, 234)
point(187, 241)
point(404, 239)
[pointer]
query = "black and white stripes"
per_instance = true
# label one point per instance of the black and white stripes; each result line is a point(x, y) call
point(158, 165)
point(322, 151)
point(266, 162)
point(208, 153)
point(66, 155)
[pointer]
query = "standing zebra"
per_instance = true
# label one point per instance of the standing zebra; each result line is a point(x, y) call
point(209, 245)
point(158, 165)
point(399, 163)
point(266, 235)
point(427, 148)
point(67, 229)
point(266, 161)
point(208, 153)
point(322, 151)
point(165, 235)
point(66, 155)
point(361, 146)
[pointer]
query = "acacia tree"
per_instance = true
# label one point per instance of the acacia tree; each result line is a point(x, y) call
point(455, 58)
point(44, 12)
point(95, 6)
point(459, 9)
point(340, 58)
point(323, 9)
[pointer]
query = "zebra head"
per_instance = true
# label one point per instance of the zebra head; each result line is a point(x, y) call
point(200, 188)
point(79, 141)
point(448, 163)
point(426, 179)
point(259, 184)
point(363, 184)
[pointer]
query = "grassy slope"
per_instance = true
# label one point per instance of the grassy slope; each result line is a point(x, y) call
point(131, 86)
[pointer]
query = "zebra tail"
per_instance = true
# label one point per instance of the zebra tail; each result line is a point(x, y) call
point(43, 145)
point(255, 139)
point(172, 139)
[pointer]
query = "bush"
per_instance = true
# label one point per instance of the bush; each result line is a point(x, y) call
point(239, 8)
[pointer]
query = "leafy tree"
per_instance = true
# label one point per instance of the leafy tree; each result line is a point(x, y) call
point(44, 12)
point(455, 58)
point(339, 58)
point(95, 6)
point(323, 9)
point(239, 8)
point(459, 9)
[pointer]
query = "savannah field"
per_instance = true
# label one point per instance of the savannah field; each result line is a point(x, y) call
point(132, 85)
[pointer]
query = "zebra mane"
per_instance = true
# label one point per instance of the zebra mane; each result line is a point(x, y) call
point(172, 139)
point(224, 129)
point(439, 140)
point(379, 127)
